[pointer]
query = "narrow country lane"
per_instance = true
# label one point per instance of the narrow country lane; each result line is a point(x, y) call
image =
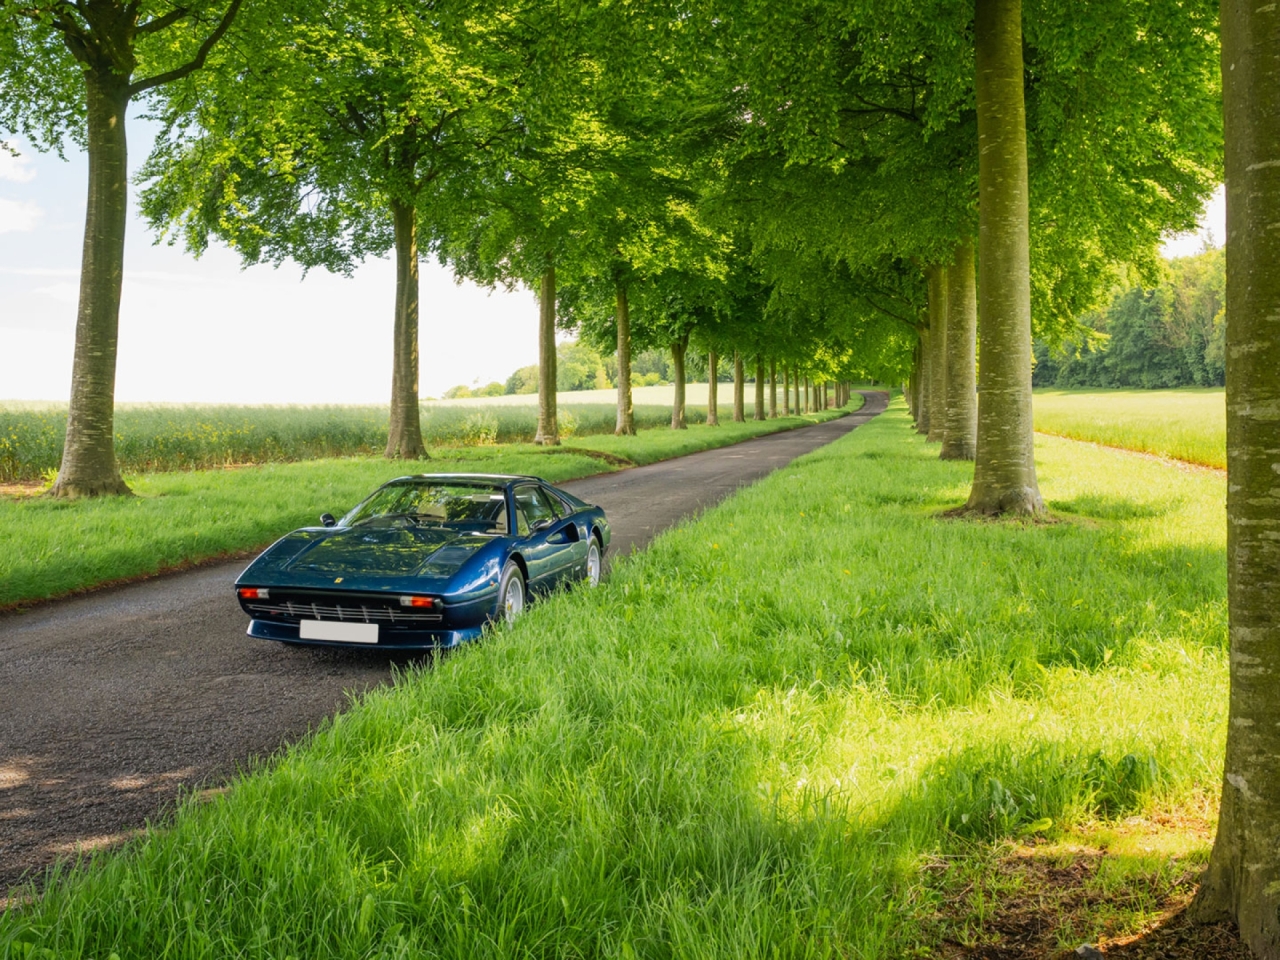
point(113, 703)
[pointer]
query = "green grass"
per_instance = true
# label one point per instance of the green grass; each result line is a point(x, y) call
point(49, 548)
point(151, 438)
point(754, 740)
point(1187, 424)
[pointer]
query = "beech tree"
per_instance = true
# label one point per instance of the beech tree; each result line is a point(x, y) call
point(69, 72)
point(859, 142)
point(343, 131)
point(1243, 880)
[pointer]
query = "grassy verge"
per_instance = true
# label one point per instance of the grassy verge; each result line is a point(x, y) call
point(1185, 424)
point(768, 735)
point(50, 548)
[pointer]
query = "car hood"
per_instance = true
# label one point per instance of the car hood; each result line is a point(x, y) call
point(379, 552)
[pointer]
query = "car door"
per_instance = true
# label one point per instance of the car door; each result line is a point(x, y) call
point(575, 534)
point(547, 544)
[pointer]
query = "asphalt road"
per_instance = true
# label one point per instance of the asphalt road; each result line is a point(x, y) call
point(113, 703)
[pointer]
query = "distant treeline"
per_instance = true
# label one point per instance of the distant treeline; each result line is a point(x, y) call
point(579, 366)
point(1170, 335)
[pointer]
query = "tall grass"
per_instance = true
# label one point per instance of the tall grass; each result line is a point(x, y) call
point(1187, 424)
point(157, 438)
point(749, 742)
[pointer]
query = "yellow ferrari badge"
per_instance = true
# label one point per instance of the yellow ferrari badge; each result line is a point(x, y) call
point(337, 580)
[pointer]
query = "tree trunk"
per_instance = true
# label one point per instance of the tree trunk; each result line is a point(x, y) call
point(1243, 879)
point(799, 408)
point(923, 373)
point(786, 389)
point(759, 411)
point(739, 382)
point(773, 389)
point(713, 383)
point(89, 456)
point(626, 423)
point(548, 430)
point(1004, 476)
point(404, 434)
point(808, 408)
point(960, 434)
point(678, 349)
point(937, 277)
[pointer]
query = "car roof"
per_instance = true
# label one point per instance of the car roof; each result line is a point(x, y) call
point(498, 479)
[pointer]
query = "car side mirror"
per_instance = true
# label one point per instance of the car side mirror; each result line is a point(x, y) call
point(541, 524)
point(327, 520)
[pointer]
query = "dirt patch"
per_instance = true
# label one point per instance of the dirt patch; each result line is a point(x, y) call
point(1123, 889)
point(22, 489)
point(610, 458)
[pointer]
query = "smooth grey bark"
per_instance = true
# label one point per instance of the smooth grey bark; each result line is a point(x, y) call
point(786, 389)
point(1243, 879)
point(937, 282)
point(799, 409)
point(626, 422)
point(923, 373)
point(773, 389)
point(548, 429)
point(404, 432)
point(101, 38)
point(960, 433)
point(1004, 476)
point(678, 349)
point(739, 382)
point(713, 383)
point(759, 405)
point(88, 466)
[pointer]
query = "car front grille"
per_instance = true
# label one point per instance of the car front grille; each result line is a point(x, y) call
point(351, 612)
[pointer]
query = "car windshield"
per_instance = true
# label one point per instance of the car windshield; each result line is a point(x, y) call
point(446, 503)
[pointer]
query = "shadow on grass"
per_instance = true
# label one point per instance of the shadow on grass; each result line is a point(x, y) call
point(1098, 507)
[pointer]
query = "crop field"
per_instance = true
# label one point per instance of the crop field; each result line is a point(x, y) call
point(788, 729)
point(51, 547)
point(157, 438)
point(1188, 424)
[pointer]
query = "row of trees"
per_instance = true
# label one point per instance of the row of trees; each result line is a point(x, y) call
point(834, 189)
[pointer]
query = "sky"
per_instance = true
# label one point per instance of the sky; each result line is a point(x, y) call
point(208, 331)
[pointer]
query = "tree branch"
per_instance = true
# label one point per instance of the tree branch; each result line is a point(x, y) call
point(196, 62)
point(156, 24)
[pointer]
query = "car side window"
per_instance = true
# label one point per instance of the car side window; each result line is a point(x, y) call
point(532, 505)
point(557, 507)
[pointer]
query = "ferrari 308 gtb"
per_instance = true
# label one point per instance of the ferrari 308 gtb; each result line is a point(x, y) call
point(424, 562)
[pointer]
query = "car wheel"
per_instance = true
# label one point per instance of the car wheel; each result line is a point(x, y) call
point(592, 577)
point(510, 592)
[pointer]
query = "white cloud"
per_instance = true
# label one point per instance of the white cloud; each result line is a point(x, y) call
point(1212, 230)
point(62, 292)
point(18, 216)
point(39, 272)
point(18, 169)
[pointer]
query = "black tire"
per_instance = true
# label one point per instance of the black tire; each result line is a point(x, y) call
point(512, 595)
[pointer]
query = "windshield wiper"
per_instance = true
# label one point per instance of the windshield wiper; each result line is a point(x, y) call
point(388, 516)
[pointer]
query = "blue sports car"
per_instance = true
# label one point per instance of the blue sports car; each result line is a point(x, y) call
point(423, 563)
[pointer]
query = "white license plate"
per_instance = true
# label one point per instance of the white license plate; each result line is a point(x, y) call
point(338, 632)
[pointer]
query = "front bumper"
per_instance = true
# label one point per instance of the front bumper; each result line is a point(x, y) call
point(387, 639)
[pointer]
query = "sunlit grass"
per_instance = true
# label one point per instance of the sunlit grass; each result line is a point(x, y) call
point(48, 547)
point(1187, 424)
point(750, 742)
